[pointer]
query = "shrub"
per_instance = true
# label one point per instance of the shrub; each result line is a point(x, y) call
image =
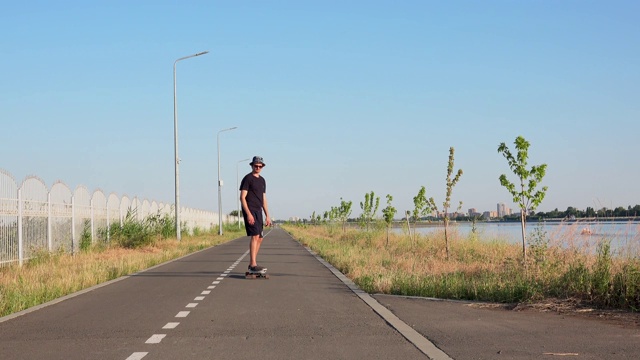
point(85, 237)
point(626, 287)
point(133, 233)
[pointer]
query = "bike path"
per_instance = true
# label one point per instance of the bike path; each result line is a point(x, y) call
point(202, 307)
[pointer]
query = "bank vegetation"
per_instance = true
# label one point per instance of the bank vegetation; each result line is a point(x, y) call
point(479, 269)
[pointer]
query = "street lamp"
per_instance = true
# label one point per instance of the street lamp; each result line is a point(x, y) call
point(238, 188)
point(175, 142)
point(220, 182)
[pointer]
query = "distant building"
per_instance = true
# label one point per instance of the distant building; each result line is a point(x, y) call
point(490, 215)
point(503, 210)
point(473, 212)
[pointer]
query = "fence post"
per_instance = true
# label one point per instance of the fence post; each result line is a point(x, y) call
point(20, 250)
point(49, 221)
point(93, 235)
point(108, 223)
point(73, 224)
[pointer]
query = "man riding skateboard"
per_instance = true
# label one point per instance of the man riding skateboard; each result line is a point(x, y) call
point(253, 196)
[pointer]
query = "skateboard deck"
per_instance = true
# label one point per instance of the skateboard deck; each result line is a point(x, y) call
point(256, 274)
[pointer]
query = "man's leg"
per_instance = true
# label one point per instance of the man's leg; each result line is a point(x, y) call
point(256, 240)
point(254, 247)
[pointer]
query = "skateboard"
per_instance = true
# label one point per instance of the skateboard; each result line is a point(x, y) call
point(256, 274)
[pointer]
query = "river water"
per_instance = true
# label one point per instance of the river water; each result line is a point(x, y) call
point(623, 236)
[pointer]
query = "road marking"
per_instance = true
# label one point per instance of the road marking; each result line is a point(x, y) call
point(155, 339)
point(137, 356)
point(183, 314)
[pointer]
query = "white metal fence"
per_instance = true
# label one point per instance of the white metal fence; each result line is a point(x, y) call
point(33, 217)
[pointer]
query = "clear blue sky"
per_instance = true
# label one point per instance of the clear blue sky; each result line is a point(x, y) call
point(339, 97)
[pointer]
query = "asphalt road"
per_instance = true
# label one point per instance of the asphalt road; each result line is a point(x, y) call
point(202, 307)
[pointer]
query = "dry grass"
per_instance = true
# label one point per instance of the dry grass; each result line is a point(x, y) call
point(426, 256)
point(559, 265)
point(50, 276)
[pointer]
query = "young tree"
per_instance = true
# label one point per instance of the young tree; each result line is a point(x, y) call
point(450, 184)
point(389, 212)
point(526, 195)
point(343, 213)
point(422, 207)
point(331, 216)
point(407, 216)
point(369, 208)
point(447, 202)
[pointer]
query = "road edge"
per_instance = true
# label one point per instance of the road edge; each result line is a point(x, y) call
point(423, 344)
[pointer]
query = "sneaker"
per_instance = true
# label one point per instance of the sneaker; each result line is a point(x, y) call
point(257, 268)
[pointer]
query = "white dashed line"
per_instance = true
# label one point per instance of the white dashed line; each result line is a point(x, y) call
point(137, 356)
point(183, 314)
point(155, 339)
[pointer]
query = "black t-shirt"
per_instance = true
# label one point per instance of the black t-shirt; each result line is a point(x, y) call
point(256, 188)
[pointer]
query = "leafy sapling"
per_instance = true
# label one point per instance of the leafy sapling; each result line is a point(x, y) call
point(422, 207)
point(369, 209)
point(524, 193)
point(388, 213)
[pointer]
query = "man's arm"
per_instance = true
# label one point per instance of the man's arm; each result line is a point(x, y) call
point(243, 201)
point(265, 206)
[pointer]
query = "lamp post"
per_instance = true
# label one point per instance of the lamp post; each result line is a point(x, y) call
point(238, 187)
point(220, 182)
point(175, 143)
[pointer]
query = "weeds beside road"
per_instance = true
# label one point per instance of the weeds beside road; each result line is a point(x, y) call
point(477, 269)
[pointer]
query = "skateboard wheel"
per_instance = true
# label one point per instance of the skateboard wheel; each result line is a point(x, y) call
point(249, 275)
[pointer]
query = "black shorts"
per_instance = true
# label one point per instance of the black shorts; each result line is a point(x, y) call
point(256, 228)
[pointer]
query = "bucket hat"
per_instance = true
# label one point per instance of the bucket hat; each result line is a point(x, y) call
point(257, 160)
